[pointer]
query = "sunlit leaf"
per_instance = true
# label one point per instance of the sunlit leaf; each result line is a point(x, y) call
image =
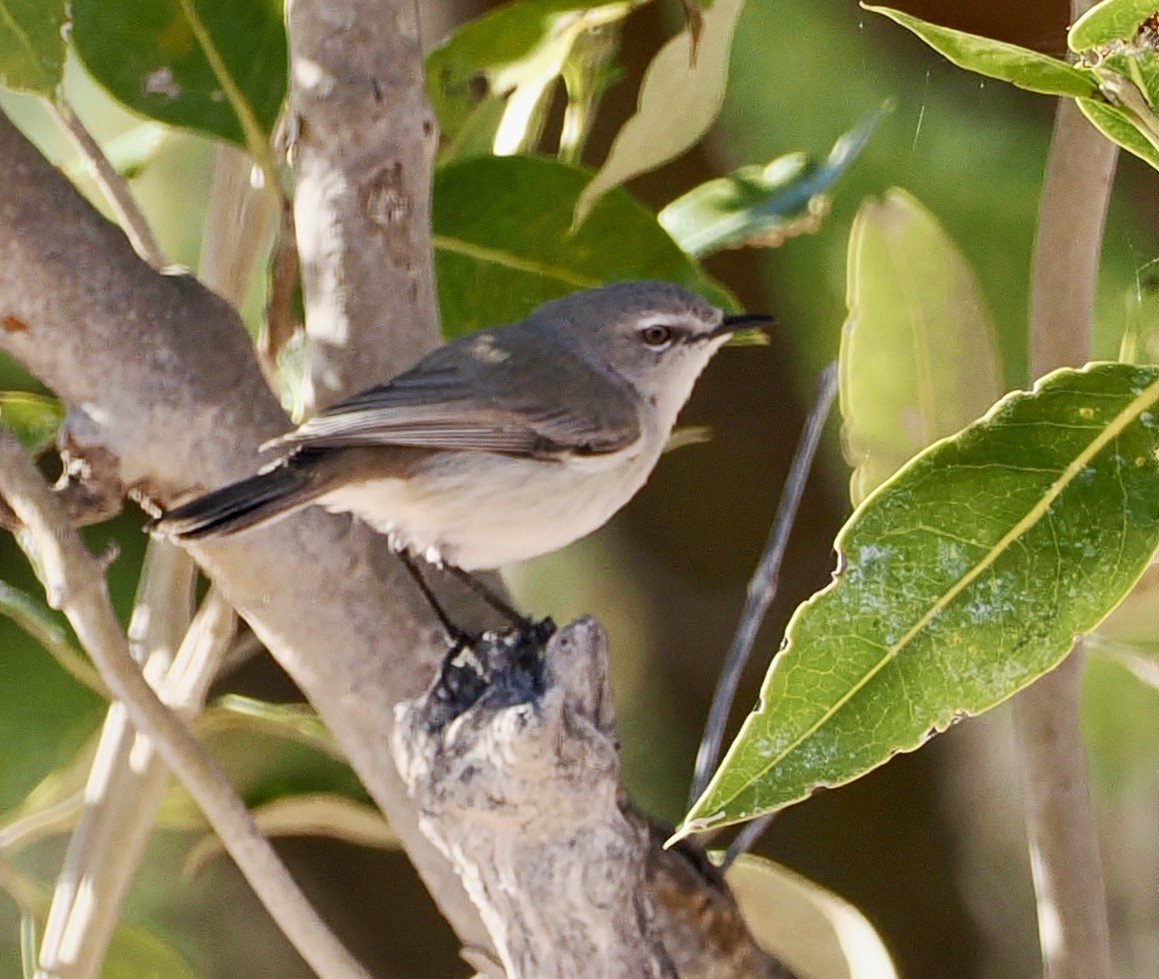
point(218, 68)
point(919, 356)
point(809, 929)
point(488, 83)
point(1121, 127)
point(960, 581)
point(762, 205)
point(679, 99)
point(503, 243)
point(32, 418)
point(32, 45)
point(1111, 20)
point(997, 59)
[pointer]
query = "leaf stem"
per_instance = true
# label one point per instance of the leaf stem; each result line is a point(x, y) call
point(114, 186)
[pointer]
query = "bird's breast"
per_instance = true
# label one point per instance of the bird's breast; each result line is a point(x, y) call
point(477, 510)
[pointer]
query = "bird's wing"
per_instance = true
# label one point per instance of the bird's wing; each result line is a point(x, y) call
point(439, 409)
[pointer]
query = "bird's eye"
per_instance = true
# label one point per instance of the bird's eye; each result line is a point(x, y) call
point(657, 336)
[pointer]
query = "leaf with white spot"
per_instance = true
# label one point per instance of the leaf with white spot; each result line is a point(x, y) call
point(962, 579)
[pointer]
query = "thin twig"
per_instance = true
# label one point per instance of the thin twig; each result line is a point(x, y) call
point(1067, 871)
point(75, 584)
point(763, 586)
point(124, 787)
point(112, 184)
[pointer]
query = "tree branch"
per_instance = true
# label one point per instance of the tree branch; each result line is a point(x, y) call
point(513, 760)
point(163, 380)
point(363, 152)
point(75, 584)
point(1068, 874)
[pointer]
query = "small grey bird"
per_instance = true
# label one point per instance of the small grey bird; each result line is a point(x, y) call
point(501, 445)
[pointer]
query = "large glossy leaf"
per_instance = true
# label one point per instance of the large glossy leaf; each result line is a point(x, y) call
point(32, 44)
point(680, 97)
point(1111, 20)
point(503, 243)
point(763, 205)
point(919, 357)
point(996, 59)
point(960, 581)
point(216, 66)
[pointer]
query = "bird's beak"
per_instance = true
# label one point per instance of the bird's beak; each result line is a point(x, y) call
point(744, 323)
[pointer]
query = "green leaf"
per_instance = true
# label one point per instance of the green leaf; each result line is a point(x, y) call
point(218, 68)
point(680, 97)
point(810, 929)
point(1140, 344)
point(1120, 722)
point(234, 714)
point(137, 954)
point(1135, 621)
point(47, 627)
point(32, 45)
point(996, 59)
point(517, 52)
point(503, 244)
point(959, 582)
point(32, 418)
point(919, 357)
point(1111, 20)
point(1122, 127)
point(308, 814)
point(762, 205)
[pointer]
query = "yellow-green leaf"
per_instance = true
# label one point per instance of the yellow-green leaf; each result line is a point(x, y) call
point(919, 355)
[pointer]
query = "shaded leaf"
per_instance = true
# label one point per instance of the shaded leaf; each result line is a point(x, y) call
point(32, 418)
point(762, 205)
point(960, 581)
point(1135, 622)
point(679, 99)
point(810, 929)
point(1120, 720)
point(138, 954)
point(919, 357)
point(996, 59)
point(1111, 20)
point(309, 814)
point(218, 68)
point(32, 45)
point(232, 714)
point(1140, 344)
point(46, 626)
point(503, 244)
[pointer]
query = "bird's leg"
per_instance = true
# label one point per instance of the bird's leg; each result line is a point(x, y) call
point(524, 625)
point(459, 637)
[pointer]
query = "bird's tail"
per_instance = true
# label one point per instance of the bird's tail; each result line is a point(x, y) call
point(257, 500)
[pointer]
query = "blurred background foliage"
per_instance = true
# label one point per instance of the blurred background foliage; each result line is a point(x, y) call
point(930, 847)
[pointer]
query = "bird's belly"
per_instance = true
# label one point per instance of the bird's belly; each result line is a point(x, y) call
point(517, 509)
